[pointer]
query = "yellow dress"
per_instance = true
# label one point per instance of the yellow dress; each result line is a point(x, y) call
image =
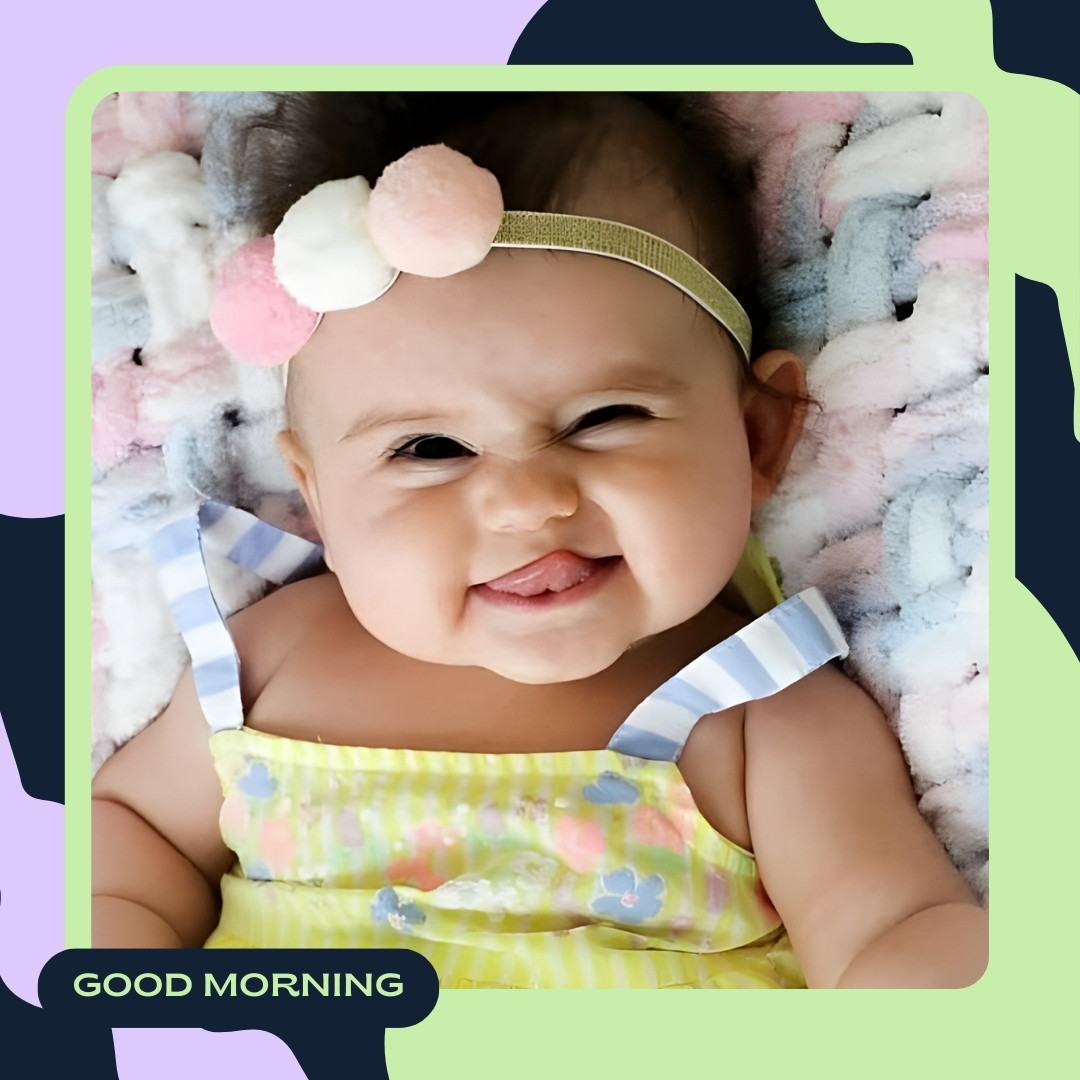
point(574, 869)
point(578, 869)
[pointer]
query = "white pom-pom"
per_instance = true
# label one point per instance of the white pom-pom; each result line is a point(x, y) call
point(322, 252)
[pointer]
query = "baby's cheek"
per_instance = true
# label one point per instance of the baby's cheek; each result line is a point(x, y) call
point(683, 539)
point(400, 597)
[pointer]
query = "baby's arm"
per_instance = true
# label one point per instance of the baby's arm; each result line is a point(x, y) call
point(865, 890)
point(157, 853)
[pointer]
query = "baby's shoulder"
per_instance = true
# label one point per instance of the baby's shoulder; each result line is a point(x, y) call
point(822, 707)
point(268, 631)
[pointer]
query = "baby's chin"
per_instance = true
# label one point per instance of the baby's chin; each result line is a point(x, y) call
point(544, 674)
point(529, 667)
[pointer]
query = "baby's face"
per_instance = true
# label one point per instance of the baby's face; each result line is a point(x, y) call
point(527, 467)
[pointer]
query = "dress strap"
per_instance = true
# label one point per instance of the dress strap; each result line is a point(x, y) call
point(180, 550)
point(765, 656)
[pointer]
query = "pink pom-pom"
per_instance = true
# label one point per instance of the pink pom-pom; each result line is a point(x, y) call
point(252, 315)
point(434, 212)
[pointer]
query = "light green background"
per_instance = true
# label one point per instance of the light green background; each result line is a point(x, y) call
point(1019, 1015)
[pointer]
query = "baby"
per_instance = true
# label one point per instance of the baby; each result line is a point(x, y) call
point(526, 724)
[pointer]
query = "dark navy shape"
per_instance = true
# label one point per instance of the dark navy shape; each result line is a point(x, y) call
point(32, 657)
point(40, 1044)
point(1047, 458)
point(691, 32)
point(1037, 37)
point(334, 1036)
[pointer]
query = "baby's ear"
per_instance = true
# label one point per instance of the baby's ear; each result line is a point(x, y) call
point(774, 407)
point(298, 462)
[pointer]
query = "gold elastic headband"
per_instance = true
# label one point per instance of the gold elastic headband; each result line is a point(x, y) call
point(595, 236)
point(432, 213)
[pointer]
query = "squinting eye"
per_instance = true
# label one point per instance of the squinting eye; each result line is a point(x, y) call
point(608, 413)
point(432, 448)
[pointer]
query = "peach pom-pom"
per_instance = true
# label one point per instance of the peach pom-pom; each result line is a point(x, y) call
point(252, 315)
point(434, 212)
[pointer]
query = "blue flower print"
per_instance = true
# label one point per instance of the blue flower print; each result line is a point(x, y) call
point(610, 787)
point(388, 908)
point(626, 898)
point(257, 781)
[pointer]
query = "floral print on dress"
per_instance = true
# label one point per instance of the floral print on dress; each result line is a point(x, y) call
point(612, 850)
point(430, 841)
point(416, 871)
point(348, 829)
point(234, 818)
point(257, 781)
point(388, 907)
point(716, 891)
point(681, 810)
point(490, 818)
point(626, 898)
point(649, 826)
point(610, 787)
point(580, 843)
point(531, 808)
point(276, 845)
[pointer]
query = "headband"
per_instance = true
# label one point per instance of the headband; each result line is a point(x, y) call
point(432, 213)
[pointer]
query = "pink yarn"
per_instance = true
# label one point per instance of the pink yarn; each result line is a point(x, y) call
point(953, 244)
point(434, 212)
point(117, 390)
point(135, 124)
point(252, 315)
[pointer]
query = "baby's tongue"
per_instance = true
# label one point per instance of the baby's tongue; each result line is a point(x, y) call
point(553, 573)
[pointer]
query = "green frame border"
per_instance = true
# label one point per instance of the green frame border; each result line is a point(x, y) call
point(881, 1033)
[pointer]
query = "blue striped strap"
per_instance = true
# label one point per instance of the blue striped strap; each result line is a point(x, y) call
point(769, 654)
point(180, 551)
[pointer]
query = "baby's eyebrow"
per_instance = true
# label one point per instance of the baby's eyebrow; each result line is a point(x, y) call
point(625, 378)
point(636, 378)
point(370, 421)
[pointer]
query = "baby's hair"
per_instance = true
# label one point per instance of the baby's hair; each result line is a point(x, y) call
point(540, 146)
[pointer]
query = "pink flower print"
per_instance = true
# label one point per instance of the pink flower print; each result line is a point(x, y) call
point(416, 872)
point(276, 845)
point(491, 819)
point(649, 826)
point(716, 891)
point(234, 817)
point(433, 836)
point(348, 829)
point(579, 842)
point(682, 811)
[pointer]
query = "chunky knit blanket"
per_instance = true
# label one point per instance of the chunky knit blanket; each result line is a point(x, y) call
point(873, 215)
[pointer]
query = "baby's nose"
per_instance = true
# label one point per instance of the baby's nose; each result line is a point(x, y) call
point(524, 496)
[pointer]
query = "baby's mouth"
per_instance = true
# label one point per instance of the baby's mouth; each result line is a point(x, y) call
point(554, 573)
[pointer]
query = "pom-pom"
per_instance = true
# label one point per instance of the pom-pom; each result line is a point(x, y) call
point(252, 315)
point(323, 254)
point(434, 212)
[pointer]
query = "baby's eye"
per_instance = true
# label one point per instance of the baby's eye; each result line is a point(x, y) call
point(609, 413)
point(431, 448)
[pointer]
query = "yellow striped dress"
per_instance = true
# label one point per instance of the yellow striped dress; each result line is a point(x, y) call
point(578, 869)
point(575, 869)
